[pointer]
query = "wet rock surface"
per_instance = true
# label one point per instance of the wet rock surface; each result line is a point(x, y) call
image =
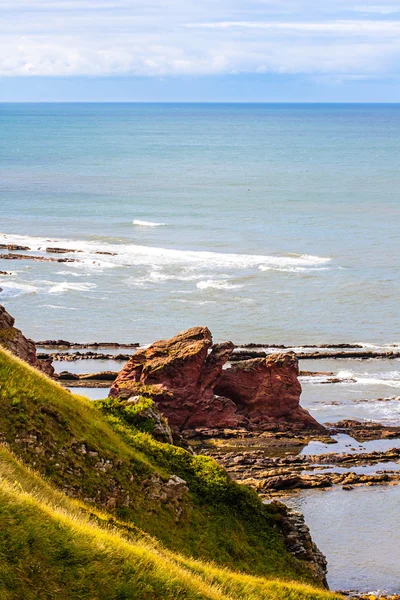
point(320, 354)
point(13, 247)
point(269, 473)
point(13, 256)
point(364, 431)
point(102, 379)
point(75, 356)
point(66, 344)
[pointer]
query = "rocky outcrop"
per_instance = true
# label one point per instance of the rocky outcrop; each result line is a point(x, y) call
point(185, 376)
point(266, 390)
point(159, 427)
point(269, 475)
point(12, 256)
point(65, 344)
point(180, 375)
point(299, 542)
point(13, 339)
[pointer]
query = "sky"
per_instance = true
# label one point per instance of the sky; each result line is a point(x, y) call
point(200, 50)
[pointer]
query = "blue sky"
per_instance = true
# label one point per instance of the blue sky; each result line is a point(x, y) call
point(204, 50)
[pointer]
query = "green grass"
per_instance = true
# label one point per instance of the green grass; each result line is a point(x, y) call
point(52, 546)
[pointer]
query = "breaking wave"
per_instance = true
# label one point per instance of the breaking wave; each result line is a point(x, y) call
point(65, 286)
point(140, 223)
point(128, 254)
point(389, 378)
point(217, 285)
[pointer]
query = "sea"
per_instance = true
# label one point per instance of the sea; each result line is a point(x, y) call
point(268, 223)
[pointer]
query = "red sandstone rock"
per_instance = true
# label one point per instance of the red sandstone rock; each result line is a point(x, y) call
point(185, 377)
point(14, 340)
point(182, 375)
point(266, 390)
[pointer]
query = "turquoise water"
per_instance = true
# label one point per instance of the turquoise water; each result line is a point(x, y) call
point(268, 223)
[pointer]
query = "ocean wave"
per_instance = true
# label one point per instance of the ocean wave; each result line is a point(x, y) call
point(58, 307)
point(292, 269)
point(217, 285)
point(70, 273)
point(389, 378)
point(380, 347)
point(65, 286)
point(11, 289)
point(140, 223)
point(128, 254)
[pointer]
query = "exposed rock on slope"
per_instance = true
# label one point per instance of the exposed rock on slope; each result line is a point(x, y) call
point(185, 377)
point(13, 339)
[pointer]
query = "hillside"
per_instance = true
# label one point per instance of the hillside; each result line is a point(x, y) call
point(135, 528)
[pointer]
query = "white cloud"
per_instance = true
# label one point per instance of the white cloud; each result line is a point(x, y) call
point(189, 37)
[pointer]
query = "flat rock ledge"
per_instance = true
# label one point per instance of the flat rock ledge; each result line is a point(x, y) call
point(277, 475)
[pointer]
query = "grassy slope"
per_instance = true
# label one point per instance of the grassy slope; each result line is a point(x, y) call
point(47, 540)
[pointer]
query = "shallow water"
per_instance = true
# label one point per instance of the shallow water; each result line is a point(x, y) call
point(87, 366)
point(358, 532)
point(345, 443)
point(360, 470)
point(368, 390)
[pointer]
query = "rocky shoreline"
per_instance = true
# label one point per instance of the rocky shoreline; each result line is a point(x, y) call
point(242, 410)
point(237, 355)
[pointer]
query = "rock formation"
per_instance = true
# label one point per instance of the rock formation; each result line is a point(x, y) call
point(13, 339)
point(182, 374)
point(185, 377)
point(266, 390)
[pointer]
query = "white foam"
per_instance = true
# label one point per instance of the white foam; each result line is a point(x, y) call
point(66, 286)
point(309, 269)
point(11, 289)
point(140, 223)
point(389, 379)
point(132, 254)
point(70, 273)
point(58, 307)
point(380, 347)
point(217, 285)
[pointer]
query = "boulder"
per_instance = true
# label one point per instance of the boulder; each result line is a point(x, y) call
point(13, 340)
point(185, 377)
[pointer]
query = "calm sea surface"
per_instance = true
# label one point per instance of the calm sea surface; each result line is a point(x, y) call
point(268, 223)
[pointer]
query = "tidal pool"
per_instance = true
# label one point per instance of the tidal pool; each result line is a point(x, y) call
point(359, 533)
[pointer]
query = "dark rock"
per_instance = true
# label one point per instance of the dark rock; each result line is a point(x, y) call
point(61, 250)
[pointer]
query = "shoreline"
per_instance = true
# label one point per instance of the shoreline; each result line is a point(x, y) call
point(268, 456)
